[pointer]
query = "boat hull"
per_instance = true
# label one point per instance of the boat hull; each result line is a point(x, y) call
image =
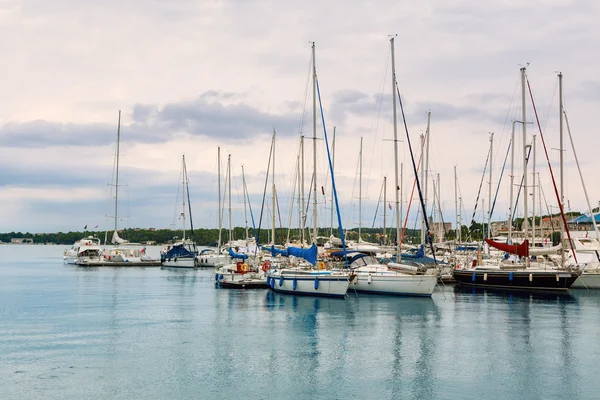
point(309, 285)
point(587, 281)
point(517, 280)
point(398, 285)
point(180, 263)
point(212, 261)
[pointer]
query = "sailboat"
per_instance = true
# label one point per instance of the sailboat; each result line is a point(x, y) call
point(297, 276)
point(182, 254)
point(211, 257)
point(124, 253)
point(518, 275)
point(401, 278)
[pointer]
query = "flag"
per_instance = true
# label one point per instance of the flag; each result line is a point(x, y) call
point(390, 205)
point(85, 227)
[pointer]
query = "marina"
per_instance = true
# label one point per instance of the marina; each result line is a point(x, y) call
point(154, 333)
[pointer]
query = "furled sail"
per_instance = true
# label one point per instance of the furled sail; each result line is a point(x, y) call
point(542, 251)
point(520, 250)
point(116, 239)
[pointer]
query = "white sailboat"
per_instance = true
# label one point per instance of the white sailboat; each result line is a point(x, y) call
point(304, 278)
point(409, 279)
point(123, 253)
point(211, 257)
point(182, 254)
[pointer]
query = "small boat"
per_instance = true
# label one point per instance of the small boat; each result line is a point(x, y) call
point(84, 250)
point(308, 281)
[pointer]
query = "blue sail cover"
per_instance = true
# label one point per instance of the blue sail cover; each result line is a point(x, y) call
point(178, 251)
point(233, 254)
point(309, 254)
point(275, 251)
point(419, 254)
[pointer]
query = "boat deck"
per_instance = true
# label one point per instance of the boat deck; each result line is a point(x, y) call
point(153, 263)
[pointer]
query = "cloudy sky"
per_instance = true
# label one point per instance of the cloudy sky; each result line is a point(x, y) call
point(192, 75)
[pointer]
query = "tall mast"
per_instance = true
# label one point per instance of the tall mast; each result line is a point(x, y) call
point(457, 235)
point(439, 203)
point(533, 196)
point(360, 190)
point(525, 191)
point(490, 187)
point(333, 164)
point(273, 192)
point(229, 195)
point(219, 190)
point(117, 172)
point(303, 209)
point(397, 187)
point(423, 179)
point(426, 158)
point(314, 145)
point(384, 210)
point(183, 194)
point(245, 211)
point(511, 210)
point(562, 198)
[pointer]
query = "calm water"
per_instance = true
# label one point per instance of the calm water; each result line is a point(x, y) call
point(68, 332)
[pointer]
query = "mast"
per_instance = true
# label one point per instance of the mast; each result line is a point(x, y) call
point(360, 190)
point(117, 172)
point(511, 211)
point(533, 197)
point(219, 190)
point(229, 195)
point(303, 210)
point(314, 145)
point(457, 235)
point(525, 191)
point(183, 195)
point(384, 210)
point(333, 164)
point(273, 192)
point(424, 194)
point(490, 187)
point(439, 204)
point(245, 211)
point(397, 187)
point(426, 159)
point(562, 198)
point(187, 188)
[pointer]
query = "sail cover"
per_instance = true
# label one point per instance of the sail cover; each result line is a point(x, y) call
point(239, 256)
point(520, 250)
point(309, 254)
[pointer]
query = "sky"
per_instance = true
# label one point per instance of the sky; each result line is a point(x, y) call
point(191, 76)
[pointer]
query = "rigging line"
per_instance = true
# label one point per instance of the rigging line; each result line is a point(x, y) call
point(262, 207)
point(547, 208)
point(249, 207)
point(411, 199)
point(506, 119)
point(306, 91)
point(187, 186)
point(377, 208)
point(498, 188)
point(521, 185)
point(335, 196)
point(279, 215)
point(560, 205)
point(293, 196)
point(416, 176)
point(480, 185)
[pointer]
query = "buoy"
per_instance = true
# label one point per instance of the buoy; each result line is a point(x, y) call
point(321, 265)
point(485, 277)
point(474, 277)
point(510, 276)
point(530, 277)
point(217, 277)
point(294, 284)
point(280, 281)
point(369, 279)
point(557, 278)
point(316, 283)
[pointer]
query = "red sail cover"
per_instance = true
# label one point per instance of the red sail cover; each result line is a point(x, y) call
point(520, 250)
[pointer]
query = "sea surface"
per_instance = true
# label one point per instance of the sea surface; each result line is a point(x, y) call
point(152, 333)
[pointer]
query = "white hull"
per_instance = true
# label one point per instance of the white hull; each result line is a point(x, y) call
point(308, 284)
point(180, 263)
point(587, 281)
point(399, 284)
point(212, 260)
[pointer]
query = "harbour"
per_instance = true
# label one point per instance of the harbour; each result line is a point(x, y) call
point(72, 332)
